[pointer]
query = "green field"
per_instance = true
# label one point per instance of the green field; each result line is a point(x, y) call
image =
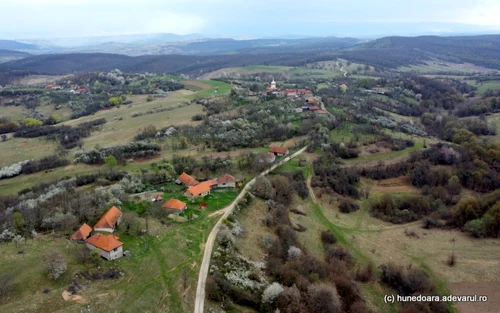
point(19, 149)
point(431, 67)
point(483, 87)
point(218, 89)
point(262, 68)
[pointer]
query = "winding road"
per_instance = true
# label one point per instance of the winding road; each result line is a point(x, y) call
point(342, 69)
point(209, 245)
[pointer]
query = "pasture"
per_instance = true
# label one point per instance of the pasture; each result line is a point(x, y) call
point(159, 276)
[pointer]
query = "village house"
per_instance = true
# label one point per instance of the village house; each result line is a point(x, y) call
point(109, 221)
point(279, 151)
point(174, 206)
point(82, 233)
point(186, 180)
point(314, 108)
point(200, 190)
point(226, 181)
point(266, 158)
point(109, 246)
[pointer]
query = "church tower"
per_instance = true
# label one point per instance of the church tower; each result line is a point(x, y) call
point(273, 85)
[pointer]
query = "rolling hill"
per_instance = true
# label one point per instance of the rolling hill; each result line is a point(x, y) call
point(16, 45)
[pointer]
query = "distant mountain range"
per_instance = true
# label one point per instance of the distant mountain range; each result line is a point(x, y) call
point(202, 56)
point(16, 45)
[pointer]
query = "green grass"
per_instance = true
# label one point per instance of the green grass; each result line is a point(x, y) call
point(388, 155)
point(483, 87)
point(218, 89)
point(19, 149)
point(154, 274)
point(262, 68)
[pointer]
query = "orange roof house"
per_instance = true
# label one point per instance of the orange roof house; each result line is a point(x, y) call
point(109, 220)
point(278, 150)
point(174, 205)
point(314, 108)
point(200, 190)
point(226, 181)
point(82, 233)
point(343, 86)
point(109, 246)
point(186, 180)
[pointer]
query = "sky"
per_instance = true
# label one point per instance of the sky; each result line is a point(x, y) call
point(24, 19)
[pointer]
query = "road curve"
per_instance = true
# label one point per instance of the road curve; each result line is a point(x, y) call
point(205, 264)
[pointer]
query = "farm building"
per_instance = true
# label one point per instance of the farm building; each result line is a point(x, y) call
point(109, 221)
point(82, 233)
point(280, 151)
point(174, 206)
point(266, 158)
point(200, 190)
point(226, 181)
point(186, 180)
point(109, 246)
point(314, 108)
point(156, 197)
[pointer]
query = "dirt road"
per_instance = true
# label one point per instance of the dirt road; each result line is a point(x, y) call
point(205, 264)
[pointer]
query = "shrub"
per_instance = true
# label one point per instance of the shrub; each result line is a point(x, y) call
point(272, 292)
point(55, 264)
point(323, 299)
point(348, 205)
point(338, 253)
point(365, 274)
point(327, 237)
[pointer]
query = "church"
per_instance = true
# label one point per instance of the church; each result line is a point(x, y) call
point(302, 93)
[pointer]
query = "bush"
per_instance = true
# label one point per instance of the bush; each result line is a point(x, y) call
point(55, 264)
point(338, 253)
point(348, 205)
point(323, 299)
point(365, 274)
point(327, 237)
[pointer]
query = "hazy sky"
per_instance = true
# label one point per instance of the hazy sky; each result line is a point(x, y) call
point(66, 18)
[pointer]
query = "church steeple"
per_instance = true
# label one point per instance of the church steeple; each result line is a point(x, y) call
point(273, 84)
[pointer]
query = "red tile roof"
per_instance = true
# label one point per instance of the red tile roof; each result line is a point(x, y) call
point(174, 204)
point(314, 108)
point(82, 233)
point(202, 187)
point(226, 179)
point(104, 242)
point(321, 111)
point(188, 180)
point(109, 219)
point(280, 150)
point(343, 86)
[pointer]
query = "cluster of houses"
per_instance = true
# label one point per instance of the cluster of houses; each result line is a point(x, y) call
point(74, 89)
point(196, 189)
point(109, 246)
point(296, 93)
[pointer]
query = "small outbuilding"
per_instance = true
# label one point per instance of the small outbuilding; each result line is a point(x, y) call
point(226, 181)
point(186, 180)
point(280, 151)
point(82, 233)
point(174, 206)
point(109, 221)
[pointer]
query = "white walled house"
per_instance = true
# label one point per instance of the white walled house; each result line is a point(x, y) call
point(109, 246)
